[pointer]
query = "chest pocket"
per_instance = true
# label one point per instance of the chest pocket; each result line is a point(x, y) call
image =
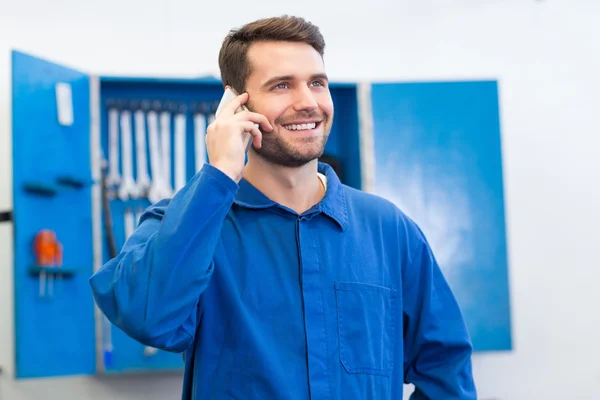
point(366, 327)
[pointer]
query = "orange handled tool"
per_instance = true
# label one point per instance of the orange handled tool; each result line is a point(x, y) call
point(48, 253)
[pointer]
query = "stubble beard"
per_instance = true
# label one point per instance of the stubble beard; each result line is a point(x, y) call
point(278, 151)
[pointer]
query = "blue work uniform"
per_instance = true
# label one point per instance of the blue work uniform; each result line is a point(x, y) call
point(344, 301)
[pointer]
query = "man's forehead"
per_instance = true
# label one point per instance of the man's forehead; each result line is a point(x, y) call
point(268, 59)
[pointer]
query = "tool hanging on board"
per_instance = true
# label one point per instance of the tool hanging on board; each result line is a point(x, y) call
point(114, 179)
point(180, 159)
point(165, 156)
point(48, 254)
point(155, 192)
point(129, 223)
point(128, 188)
point(143, 179)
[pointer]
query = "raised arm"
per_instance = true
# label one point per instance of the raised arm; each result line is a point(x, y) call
point(152, 288)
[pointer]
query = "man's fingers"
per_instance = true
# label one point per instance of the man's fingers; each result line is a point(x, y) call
point(233, 105)
point(253, 130)
point(256, 118)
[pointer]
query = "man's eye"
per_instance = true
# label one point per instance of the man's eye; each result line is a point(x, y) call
point(281, 86)
point(318, 83)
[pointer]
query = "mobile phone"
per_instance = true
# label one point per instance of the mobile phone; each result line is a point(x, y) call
point(228, 96)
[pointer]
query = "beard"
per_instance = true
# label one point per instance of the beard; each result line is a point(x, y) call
point(277, 150)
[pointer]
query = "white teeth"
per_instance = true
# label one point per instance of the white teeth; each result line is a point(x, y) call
point(300, 127)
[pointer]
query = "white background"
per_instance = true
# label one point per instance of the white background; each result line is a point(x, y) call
point(546, 56)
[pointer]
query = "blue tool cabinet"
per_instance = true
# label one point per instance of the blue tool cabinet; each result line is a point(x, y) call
point(432, 148)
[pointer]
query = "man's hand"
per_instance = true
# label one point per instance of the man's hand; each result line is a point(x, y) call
point(225, 137)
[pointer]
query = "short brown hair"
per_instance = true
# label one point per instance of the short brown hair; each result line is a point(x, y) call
point(233, 60)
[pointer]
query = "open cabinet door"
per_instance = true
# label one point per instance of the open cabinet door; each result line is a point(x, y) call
point(54, 312)
point(436, 153)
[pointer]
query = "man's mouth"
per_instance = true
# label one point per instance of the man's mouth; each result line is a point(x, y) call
point(302, 126)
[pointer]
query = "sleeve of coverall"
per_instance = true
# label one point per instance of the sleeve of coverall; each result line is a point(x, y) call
point(152, 288)
point(437, 352)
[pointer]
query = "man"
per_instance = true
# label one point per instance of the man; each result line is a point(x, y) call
point(274, 279)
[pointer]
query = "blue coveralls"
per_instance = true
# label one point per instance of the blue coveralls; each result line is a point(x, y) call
point(345, 301)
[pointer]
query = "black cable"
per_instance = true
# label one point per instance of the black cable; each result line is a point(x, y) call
point(108, 225)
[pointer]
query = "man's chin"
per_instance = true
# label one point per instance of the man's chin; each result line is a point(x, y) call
point(290, 159)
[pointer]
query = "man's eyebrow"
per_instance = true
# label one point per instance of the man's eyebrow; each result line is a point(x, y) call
point(290, 77)
point(278, 79)
point(320, 76)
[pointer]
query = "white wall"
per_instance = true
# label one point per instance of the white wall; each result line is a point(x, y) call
point(546, 55)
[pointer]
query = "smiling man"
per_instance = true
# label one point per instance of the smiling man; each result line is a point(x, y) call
point(274, 279)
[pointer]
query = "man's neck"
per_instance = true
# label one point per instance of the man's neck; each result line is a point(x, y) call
point(296, 188)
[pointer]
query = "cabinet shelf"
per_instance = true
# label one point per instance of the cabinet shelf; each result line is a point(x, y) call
point(50, 189)
point(36, 270)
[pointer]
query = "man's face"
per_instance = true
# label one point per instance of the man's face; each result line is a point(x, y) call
point(288, 85)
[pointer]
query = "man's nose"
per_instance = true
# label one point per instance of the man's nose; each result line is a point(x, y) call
point(305, 100)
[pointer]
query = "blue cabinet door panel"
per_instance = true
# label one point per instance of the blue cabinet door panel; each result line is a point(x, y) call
point(438, 157)
point(51, 189)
